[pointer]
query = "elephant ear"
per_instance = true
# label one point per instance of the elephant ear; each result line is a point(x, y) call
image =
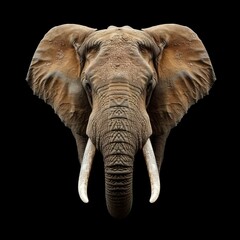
point(185, 74)
point(54, 74)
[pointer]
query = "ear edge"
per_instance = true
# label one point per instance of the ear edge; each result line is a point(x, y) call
point(54, 74)
point(185, 74)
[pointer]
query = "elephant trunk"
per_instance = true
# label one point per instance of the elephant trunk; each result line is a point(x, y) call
point(119, 143)
point(118, 186)
point(127, 130)
point(118, 132)
point(119, 176)
point(118, 164)
point(119, 179)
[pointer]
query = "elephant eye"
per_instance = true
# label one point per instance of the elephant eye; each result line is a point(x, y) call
point(92, 48)
point(142, 48)
point(150, 85)
point(146, 51)
point(149, 90)
point(87, 86)
point(88, 89)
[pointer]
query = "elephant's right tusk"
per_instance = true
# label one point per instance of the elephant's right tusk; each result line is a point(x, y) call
point(85, 170)
point(152, 170)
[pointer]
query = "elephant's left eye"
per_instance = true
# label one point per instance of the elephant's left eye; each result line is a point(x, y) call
point(150, 85)
point(149, 89)
point(142, 48)
point(145, 51)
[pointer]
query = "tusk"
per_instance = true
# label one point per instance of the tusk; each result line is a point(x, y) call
point(152, 170)
point(85, 170)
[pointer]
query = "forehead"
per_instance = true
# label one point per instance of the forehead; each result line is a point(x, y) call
point(117, 54)
point(125, 35)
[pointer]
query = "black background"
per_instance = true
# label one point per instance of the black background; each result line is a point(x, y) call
point(197, 176)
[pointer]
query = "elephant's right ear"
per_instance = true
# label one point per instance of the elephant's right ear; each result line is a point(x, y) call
point(54, 74)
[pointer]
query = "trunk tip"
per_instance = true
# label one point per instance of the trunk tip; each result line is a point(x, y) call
point(119, 212)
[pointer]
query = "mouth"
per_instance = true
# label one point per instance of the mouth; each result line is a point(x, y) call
point(151, 164)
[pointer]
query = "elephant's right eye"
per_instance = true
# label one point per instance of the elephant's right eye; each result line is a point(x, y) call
point(88, 89)
point(87, 86)
point(91, 49)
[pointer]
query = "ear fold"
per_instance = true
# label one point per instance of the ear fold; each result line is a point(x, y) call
point(185, 74)
point(54, 74)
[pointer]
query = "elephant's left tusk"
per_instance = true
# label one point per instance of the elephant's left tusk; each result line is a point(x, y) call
point(152, 170)
point(85, 170)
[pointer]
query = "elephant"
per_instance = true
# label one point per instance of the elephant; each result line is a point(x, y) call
point(120, 90)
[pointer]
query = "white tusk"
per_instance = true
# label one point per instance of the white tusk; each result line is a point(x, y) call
point(85, 170)
point(152, 170)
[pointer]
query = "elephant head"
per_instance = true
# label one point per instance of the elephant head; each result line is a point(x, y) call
point(120, 90)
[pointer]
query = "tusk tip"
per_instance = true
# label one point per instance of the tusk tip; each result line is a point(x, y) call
point(84, 198)
point(154, 196)
point(153, 199)
point(82, 191)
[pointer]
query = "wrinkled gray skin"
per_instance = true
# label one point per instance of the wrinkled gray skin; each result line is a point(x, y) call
point(120, 87)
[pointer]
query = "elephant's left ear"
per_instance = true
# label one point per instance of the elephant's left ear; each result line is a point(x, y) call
point(185, 74)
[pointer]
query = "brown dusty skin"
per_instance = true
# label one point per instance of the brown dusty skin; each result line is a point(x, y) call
point(141, 80)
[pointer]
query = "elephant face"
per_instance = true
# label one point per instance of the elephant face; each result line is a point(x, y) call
point(120, 90)
point(118, 76)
